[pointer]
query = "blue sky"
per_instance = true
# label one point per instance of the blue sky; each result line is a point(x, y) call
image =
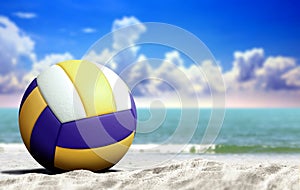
point(224, 26)
point(264, 29)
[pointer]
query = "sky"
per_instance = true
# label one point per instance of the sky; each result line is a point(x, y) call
point(256, 43)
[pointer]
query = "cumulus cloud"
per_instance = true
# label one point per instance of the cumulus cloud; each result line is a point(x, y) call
point(292, 78)
point(103, 57)
point(174, 57)
point(128, 36)
point(140, 77)
point(121, 40)
point(138, 71)
point(245, 63)
point(10, 83)
point(270, 75)
point(270, 80)
point(19, 64)
point(25, 15)
point(182, 79)
point(16, 52)
point(252, 71)
point(126, 39)
point(15, 47)
point(164, 77)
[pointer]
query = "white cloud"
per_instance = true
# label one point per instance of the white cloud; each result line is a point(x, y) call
point(171, 76)
point(16, 53)
point(25, 15)
point(89, 30)
point(172, 71)
point(104, 58)
point(136, 76)
point(245, 63)
point(252, 71)
point(10, 83)
point(212, 82)
point(270, 75)
point(125, 39)
point(137, 72)
point(174, 57)
point(292, 78)
point(197, 80)
point(129, 35)
point(120, 40)
point(15, 47)
point(18, 58)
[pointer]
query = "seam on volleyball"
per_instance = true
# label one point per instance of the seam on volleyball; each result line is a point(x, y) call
point(81, 100)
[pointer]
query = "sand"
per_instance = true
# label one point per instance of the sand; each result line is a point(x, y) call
point(186, 171)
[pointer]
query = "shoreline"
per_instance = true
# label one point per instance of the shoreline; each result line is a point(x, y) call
point(185, 149)
point(184, 171)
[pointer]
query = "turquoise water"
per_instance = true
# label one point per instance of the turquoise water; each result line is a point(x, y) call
point(243, 130)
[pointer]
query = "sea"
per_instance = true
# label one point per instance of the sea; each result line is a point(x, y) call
point(242, 130)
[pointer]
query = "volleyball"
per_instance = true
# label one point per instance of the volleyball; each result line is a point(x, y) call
point(77, 115)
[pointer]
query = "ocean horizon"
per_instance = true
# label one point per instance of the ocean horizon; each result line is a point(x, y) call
point(244, 130)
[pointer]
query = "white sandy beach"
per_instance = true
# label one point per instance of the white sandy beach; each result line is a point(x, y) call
point(186, 171)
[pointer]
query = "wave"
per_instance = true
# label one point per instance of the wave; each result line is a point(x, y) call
point(213, 149)
point(193, 148)
point(252, 149)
